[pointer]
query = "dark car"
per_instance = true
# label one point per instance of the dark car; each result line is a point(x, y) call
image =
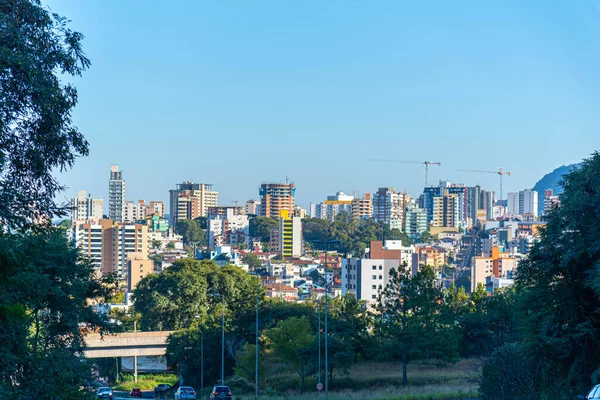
point(220, 393)
point(104, 392)
point(594, 394)
point(161, 390)
point(135, 392)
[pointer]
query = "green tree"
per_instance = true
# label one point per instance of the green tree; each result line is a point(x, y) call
point(558, 293)
point(170, 245)
point(191, 231)
point(253, 261)
point(261, 227)
point(351, 320)
point(156, 244)
point(171, 300)
point(36, 130)
point(409, 318)
point(44, 306)
point(245, 364)
point(291, 341)
point(45, 289)
point(426, 237)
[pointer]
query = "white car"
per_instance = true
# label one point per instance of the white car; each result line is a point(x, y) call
point(104, 392)
point(594, 394)
point(185, 392)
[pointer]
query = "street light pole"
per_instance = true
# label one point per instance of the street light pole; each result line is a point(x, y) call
point(319, 314)
point(223, 340)
point(326, 350)
point(201, 359)
point(256, 372)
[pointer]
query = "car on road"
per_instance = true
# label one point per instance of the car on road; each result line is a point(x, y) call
point(594, 394)
point(135, 392)
point(185, 392)
point(220, 393)
point(161, 389)
point(104, 392)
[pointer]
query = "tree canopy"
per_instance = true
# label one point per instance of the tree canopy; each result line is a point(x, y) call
point(557, 354)
point(36, 128)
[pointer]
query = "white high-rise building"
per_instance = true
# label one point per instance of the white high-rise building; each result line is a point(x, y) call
point(84, 208)
point(528, 202)
point(331, 207)
point(512, 203)
point(522, 202)
point(227, 229)
point(116, 194)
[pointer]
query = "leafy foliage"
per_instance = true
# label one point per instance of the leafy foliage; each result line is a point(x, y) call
point(292, 341)
point(191, 232)
point(353, 235)
point(44, 311)
point(261, 227)
point(171, 300)
point(36, 131)
point(558, 297)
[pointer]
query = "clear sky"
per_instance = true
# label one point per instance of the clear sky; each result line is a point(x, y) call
point(234, 93)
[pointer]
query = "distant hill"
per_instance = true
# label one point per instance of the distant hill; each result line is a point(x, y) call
point(551, 181)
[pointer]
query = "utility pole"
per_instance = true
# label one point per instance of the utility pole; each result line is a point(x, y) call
point(256, 372)
point(223, 341)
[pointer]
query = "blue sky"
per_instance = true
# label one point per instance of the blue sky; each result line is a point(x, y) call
point(234, 93)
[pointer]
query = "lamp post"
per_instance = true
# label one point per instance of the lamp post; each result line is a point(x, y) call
point(319, 334)
point(222, 336)
point(256, 345)
point(201, 353)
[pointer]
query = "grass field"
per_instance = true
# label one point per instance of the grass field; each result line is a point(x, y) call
point(384, 381)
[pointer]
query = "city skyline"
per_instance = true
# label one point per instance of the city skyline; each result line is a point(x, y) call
point(312, 91)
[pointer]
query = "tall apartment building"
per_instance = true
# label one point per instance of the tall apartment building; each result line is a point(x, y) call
point(253, 207)
point(388, 206)
point(84, 208)
point(290, 235)
point(276, 197)
point(445, 187)
point(332, 206)
point(550, 200)
point(191, 200)
point(365, 277)
point(135, 212)
point(522, 202)
point(138, 268)
point(88, 237)
point(116, 194)
point(227, 228)
point(118, 242)
point(499, 265)
point(415, 220)
point(362, 207)
point(446, 211)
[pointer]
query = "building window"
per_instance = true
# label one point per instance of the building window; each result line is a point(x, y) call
point(374, 286)
point(374, 297)
point(380, 277)
point(374, 276)
point(374, 267)
point(380, 267)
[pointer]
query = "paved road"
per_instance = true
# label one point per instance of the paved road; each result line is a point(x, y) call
point(146, 394)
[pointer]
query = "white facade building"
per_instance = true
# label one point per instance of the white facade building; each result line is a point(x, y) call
point(522, 202)
point(332, 206)
point(227, 229)
point(85, 208)
point(116, 194)
point(365, 277)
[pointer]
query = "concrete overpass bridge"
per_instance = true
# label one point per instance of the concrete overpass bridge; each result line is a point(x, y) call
point(127, 344)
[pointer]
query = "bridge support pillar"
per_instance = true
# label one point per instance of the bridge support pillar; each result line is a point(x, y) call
point(135, 369)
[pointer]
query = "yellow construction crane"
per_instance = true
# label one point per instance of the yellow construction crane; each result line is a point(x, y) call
point(426, 163)
point(499, 172)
